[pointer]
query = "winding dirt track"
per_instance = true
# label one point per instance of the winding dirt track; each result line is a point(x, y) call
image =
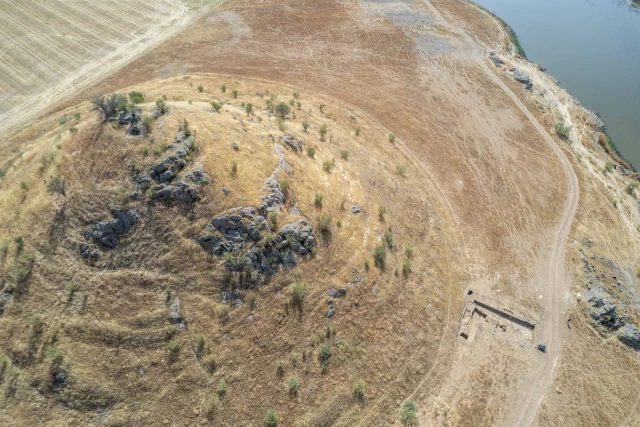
point(553, 279)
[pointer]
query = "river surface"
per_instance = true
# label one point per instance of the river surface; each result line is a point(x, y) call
point(592, 47)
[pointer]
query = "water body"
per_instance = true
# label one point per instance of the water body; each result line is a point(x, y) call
point(593, 48)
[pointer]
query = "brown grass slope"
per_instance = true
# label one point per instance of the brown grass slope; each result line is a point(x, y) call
point(115, 323)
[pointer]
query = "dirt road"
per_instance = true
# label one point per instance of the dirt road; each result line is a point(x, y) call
point(553, 281)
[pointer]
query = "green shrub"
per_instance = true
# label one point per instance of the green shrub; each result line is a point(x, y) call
point(392, 138)
point(317, 200)
point(324, 356)
point(344, 154)
point(322, 108)
point(305, 125)
point(323, 132)
point(608, 167)
point(216, 106)
point(56, 185)
point(24, 186)
point(210, 363)
point(388, 239)
point(406, 268)
point(359, 389)
point(162, 106)
point(366, 265)
point(73, 130)
point(19, 241)
point(408, 415)
point(185, 128)
point(63, 120)
point(200, 88)
point(282, 109)
point(324, 225)
point(409, 251)
point(173, 351)
point(235, 94)
point(76, 116)
point(299, 104)
point(200, 347)
point(381, 211)
point(311, 152)
point(210, 408)
point(222, 388)
point(357, 131)
point(328, 165)
point(147, 122)
point(224, 313)
point(292, 102)
point(297, 294)
point(563, 130)
point(248, 109)
point(281, 125)
point(136, 97)
point(223, 88)
point(380, 257)
point(109, 106)
point(272, 418)
point(296, 95)
point(250, 298)
point(293, 384)
point(401, 170)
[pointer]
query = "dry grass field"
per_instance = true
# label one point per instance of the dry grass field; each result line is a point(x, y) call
point(471, 192)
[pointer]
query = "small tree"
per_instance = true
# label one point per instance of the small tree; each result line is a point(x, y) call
point(210, 363)
point(323, 132)
point(305, 125)
point(293, 384)
point(327, 165)
point(297, 294)
point(272, 418)
point(57, 185)
point(136, 97)
point(109, 106)
point(282, 109)
point(222, 388)
point(173, 351)
point(185, 128)
point(359, 390)
point(311, 152)
point(408, 415)
point(380, 257)
point(162, 107)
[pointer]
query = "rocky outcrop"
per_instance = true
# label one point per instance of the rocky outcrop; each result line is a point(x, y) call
point(631, 336)
point(521, 77)
point(166, 171)
point(229, 235)
point(293, 142)
point(272, 198)
point(603, 312)
point(105, 233)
